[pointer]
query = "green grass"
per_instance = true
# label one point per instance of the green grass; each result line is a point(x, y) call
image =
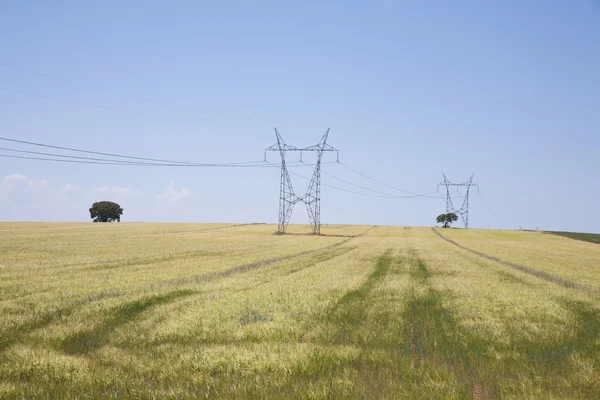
point(213, 311)
point(587, 237)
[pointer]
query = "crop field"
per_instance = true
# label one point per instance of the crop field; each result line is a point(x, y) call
point(235, 311)
point(588, 237)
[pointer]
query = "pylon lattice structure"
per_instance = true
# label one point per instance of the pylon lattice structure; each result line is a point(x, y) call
point(312, 197)
point(464, 209)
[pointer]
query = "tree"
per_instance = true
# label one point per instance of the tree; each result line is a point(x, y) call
point(106, 211)
point(446, 219)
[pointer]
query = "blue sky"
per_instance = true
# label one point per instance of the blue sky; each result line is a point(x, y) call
point(508, 90)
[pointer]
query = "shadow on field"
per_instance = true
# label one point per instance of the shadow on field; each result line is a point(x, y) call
point(247, 267)
point(433, 339)
point(39, 321)
point(405, 339)
point(87, 341)
point(554, 355)
point(350, 311)
point(322, 257)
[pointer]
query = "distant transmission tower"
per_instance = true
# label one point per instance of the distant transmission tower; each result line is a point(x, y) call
point(464, 209)
point(287, 197)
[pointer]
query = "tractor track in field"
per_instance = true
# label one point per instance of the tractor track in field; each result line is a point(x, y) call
point(8, 337)
point(63, 269)
point(223, 226)
point(251, 266)
point(207, 276)
point(333, 234)
point(226, 227)
point(218, 274)
point(519, 267)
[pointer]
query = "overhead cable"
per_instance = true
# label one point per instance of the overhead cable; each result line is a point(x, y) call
point(493, 213)
point(118, 155)
point(385, 184)
point(117, 93)
point(365, 188)
point(130, 163)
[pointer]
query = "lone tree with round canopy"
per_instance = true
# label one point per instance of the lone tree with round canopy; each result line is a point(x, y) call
point(106, 211)
point(446, 219)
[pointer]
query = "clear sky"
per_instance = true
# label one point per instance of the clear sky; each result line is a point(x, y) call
point(507, 90)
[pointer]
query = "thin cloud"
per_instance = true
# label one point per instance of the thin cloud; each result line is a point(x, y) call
point(14, 178)
point(174, 195)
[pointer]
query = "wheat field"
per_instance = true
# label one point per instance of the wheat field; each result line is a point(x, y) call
point(235, 311)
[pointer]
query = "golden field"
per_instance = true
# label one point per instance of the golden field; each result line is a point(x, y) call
point(235, 311)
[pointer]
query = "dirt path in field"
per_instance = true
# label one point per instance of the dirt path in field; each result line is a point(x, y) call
point(528, 270)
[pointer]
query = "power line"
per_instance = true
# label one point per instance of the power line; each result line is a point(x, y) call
point(157, 162)
point(108, 161)
point(67, 156)
point(79, 103)
point(131, 163)
point(89, 160)
point(385, 184)
point(483, 223)
point(117, 93)
point(83, 85)
point(95, 161)
point(119, 162)
point(380, 194)
point(149, 162)
point(64, 161)
point(342, 189)
point(493, 213)
point(118, 155)
point(366, 188)
point(334, 187)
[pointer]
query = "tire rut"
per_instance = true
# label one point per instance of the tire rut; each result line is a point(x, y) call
point(251, 266)
point(523, 268)
point(434, 337)
point(8, 337)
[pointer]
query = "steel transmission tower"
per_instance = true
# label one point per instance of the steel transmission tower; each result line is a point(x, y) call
point(464, 209)
point(287, 197)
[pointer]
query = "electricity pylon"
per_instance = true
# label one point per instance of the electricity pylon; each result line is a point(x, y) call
point(464, 209)
point(287, 197)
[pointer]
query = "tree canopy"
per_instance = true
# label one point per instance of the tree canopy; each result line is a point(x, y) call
point(446, 219)
point(106, 211)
